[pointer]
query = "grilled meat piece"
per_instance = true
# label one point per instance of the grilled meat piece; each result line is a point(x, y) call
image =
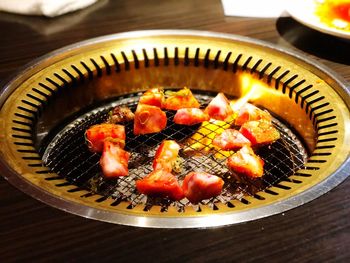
point(219, 108)
point(153, 97)
point(120, 114)
point(260, 132)
point(246, 162)
point(249, 112)
point(166, 155)
point(198, 186)
point(190, 116)
point(160, 183)
point(183, 98)
point(230, 139)
point(114, 160)
point(96, 135)
point(149, 119)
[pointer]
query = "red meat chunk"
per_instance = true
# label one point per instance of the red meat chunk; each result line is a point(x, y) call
point(249, 112)
point(219, 108)
point(190, 116)
point(114, 160)
point(166, 155)
point(198, 186)
point(180, 99)
point(149, 119)
point(230, 139)
point(153, 97)
point(160, 183)
point(259, 132)
point(96, 135)
point(246, 162)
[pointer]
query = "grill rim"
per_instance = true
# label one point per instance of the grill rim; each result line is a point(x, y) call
point(21, 73)
point(187, 222)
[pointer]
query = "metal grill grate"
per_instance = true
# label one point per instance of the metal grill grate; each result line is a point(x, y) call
point(68, 156)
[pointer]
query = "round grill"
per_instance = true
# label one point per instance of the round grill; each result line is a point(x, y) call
point(46, 109)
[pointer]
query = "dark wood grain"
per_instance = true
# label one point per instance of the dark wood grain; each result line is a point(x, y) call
point(33, 232)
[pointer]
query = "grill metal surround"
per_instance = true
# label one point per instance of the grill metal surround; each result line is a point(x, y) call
point(22, 166)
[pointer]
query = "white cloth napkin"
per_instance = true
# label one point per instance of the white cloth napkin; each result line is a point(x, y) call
point(255, 8)
point(50, 8)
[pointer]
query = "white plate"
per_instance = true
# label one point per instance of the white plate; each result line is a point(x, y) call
point(304, 12)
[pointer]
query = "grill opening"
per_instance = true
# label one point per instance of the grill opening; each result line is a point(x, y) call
point(67, 154)
point(48, 107)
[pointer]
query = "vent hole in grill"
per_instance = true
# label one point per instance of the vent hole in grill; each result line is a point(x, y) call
point(63, 184)
point(283, 186)
point(74, 190)
point(296, 181)
point(43, 172)
point(117, 202)
point(259, 197)
point(87, 195)
point(99, 200)
point(270, 192)
point(302, 174)
point(35, 165)
point(230, 205)
point(245, 201)
point(53, 178)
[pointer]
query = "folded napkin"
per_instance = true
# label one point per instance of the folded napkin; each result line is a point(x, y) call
point(254, 8)
point(50, 8)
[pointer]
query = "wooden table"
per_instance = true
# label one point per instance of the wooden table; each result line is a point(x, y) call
point(31, 231)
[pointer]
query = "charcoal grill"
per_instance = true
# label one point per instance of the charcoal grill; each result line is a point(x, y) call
point(47, 107)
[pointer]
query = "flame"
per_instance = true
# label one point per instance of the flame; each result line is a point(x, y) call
point(252, 89)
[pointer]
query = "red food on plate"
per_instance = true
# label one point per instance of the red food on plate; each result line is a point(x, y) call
point(166, 155)
point(120, 114)
point(180, 99)
point(219, 108)
point(160, 183)
point(341, 10)
point(96, 135)
point(190, 116)
point(259, 132)
point(246, 162)
point(154, 97)
point(198, 186)
point(230, 139)
point(334, 14)
point(249, 112)
point(149, 119)
point(114, 160)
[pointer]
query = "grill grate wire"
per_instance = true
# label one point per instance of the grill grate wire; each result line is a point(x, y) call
point(68, 156)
